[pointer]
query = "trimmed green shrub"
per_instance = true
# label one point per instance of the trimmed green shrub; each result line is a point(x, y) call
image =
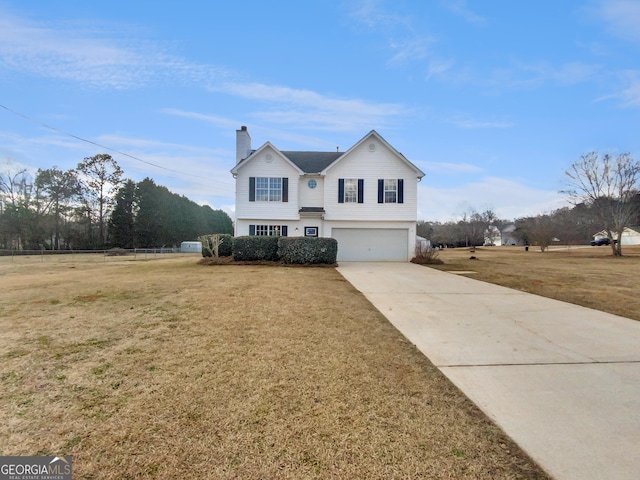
point(250, 248)
point(303, 250)
point(225, 244)
point(226, 247)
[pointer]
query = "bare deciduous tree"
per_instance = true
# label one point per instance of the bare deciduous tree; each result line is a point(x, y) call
point(539, 230)
point(607, 185)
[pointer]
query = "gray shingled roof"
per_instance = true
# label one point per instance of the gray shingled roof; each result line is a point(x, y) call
point(312, 162)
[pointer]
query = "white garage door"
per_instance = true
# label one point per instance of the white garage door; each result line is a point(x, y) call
point(371, 244)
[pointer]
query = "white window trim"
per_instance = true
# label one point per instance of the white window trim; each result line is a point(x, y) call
point(350, 190)
point(270, 190)
point(268, 230)
point(390, 190)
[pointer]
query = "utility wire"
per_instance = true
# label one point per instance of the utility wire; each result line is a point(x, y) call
point(37, 122)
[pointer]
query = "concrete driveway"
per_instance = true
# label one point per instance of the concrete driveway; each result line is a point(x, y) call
point(563, 381)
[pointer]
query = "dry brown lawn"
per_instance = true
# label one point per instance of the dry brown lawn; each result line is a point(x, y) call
point(168, 369)
point(588, 276)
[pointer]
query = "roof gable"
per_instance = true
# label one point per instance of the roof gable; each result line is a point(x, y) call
point(256, 153)
point(306, 162)
point(377, 136)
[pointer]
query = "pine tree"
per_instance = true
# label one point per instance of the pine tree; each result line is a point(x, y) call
point(121, 223)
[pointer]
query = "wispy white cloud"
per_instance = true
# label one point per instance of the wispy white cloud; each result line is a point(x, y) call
point(570, 73)
point(472, 123)
point(127, 142)
point(628, 92)
point(406, 42)
point(222, 122)
point(621, 17)
point(630, 96)
point(460, 8)
point(410, 49)
point(521, 75)
point(509, 198)
point(98, 57)
point(21, 143)
point(438, 67)
point(447, 168)
point(201, 173)
point(516, 74)
point(309, 109)
point(374, 14)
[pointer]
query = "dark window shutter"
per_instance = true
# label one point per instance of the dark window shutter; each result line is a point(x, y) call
point(380, 191)
point(252, 229)
point(360, 190)
point(284, 230)
point(285, 189)
point(252, 189)
point(400, 190)
point(341, 190)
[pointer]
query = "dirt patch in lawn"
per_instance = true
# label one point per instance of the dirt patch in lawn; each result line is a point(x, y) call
point(587, 276)
point(169, 369)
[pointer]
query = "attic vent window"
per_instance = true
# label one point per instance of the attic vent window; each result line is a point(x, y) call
point(269, 158)
point(372, 147)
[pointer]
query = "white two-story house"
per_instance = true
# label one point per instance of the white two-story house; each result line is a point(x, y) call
point(365, 198)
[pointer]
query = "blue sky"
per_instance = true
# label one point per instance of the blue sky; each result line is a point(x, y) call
point(493, 100)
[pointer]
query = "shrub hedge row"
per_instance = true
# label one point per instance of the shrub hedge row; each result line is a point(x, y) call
point(255, 248)
point(292, 250)
point(303, 250)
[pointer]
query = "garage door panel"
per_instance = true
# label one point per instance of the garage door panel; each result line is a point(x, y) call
point(371, 244)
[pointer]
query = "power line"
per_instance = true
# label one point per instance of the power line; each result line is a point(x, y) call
point(37, 122)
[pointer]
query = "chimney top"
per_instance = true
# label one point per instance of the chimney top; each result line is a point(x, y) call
point(243, 144)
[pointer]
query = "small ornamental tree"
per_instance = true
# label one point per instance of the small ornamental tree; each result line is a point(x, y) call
point(217, 245)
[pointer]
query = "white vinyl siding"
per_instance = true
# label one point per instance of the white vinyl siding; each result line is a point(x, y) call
point(276, 168)
point(310, 197)
point(371, 167)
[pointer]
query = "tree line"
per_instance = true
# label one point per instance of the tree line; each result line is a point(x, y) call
point(604, 192)
point(94, 207)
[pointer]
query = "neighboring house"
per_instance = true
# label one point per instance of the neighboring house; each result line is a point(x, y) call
point(492, 236)
point(630, 235)
point(508, 237)
point(365, 198)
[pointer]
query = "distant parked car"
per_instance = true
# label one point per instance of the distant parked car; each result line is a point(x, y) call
point(601, 241)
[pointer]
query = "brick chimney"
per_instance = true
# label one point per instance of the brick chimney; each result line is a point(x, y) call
point(243, 144)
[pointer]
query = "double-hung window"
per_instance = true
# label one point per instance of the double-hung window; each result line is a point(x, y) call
point(275, 189)
point(390, 190)
point(350, 190)
point(268, 189)
point(262, 189)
